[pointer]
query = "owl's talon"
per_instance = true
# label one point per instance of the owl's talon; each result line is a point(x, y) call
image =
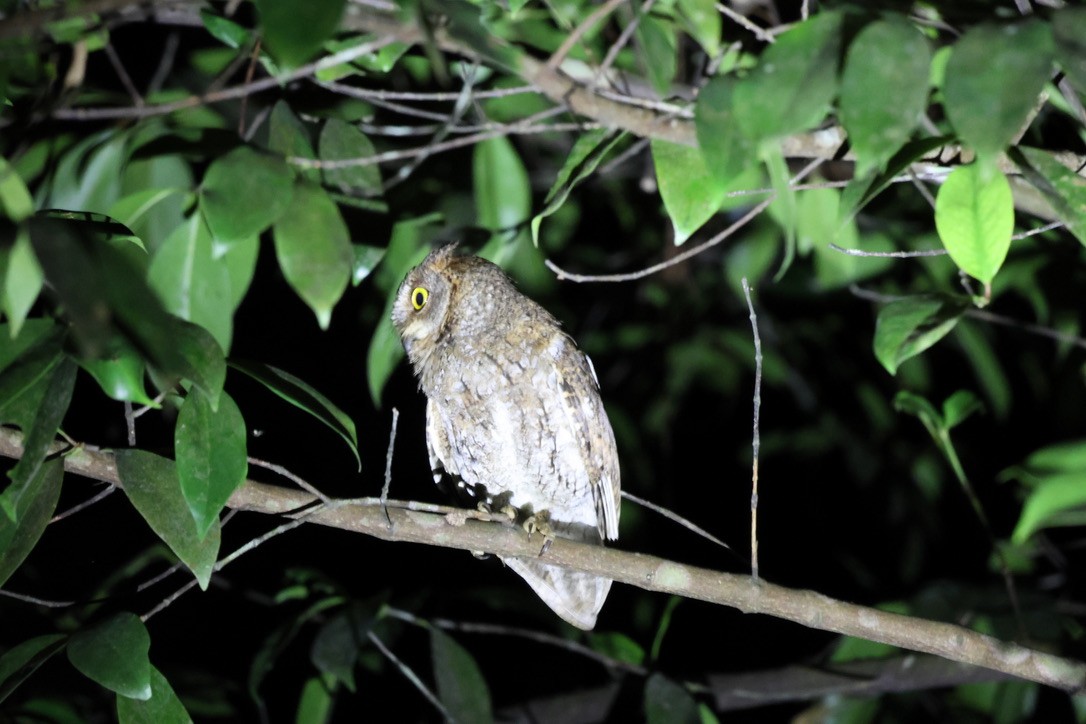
point(540, 523)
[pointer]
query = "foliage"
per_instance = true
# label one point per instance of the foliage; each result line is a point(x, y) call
point(184, 255)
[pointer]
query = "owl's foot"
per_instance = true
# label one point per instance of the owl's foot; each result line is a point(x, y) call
point(499, 504)
point(540, 523)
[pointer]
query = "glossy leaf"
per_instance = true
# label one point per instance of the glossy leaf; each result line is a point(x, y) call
point(152, 213)
point(114, 654)
point(37, 507)
point(366, 258)
point(669, 703)
point(1056, 494)
point(460, 685)
point(245, 192)
point(288, 137)
point(724, 147)
point(974, 214)
point(15, 200)
point(1069, 32)
point(657, 44)
point(152, 484)
point(211, 455)
point(191, 283)
point(120, 373)
point(162, 708)
point(342, 141)
point(314, 250)
point(204, 362)
point(294, 32)
point(691, 194)
point(907, 327)
point(503, 195)
point(239, 258)
point(1063, 188)
point(795, 80)
point(884, 88)
point(993, 79)
point(589, 150)
point(22, 660)
point(22, 281)
point(861, 189)
point(959, 406)
point(35, 395)
point(703, 23)
point(304, 397)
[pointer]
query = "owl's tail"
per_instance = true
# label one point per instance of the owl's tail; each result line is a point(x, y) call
point(575, 596)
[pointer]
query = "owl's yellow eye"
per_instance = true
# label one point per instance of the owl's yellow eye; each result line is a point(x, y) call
point(419, 295)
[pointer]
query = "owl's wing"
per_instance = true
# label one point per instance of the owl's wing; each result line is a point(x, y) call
point(591, 428)
point(437, 445)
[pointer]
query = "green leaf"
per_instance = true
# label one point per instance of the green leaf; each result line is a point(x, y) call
point(993, 79)
point(38, 408)
point(783, 209)
point(315, 702)
point(293, 31)
point(907, 327)
point(795, 80)
point(618, 646)
point(191, 283)
point(960, 406)
point(340, 140)
point(15, 200)
point(668, 703)
point(288, 137)
point(304, 397)
point(366, 258)
point(152, 484)
point(919, 407)
point(314, 250)
point(162, 708)
point(974, 215)
point(152, 213)
point(37, 506)
point(211, 455)
point(657, 43)
point(205, 364)
point(239, 258)
point(691, 194)
point(244, 192)
point(226, 31)
point(114, 654)
point(1069, 32)
point(1054, 495)
point(1063, 188)
point(460, 685)
point(884, 89)
point(120, 374)
point(724, 147)
point(88, 176)
point(336, 646)
point(22, 280)
point(703, 23)
point(861, 189)
point(503, 195)
point(589, 150)
point(22, 660)
point(1066, 456)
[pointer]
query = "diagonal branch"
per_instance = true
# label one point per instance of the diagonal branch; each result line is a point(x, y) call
point(808, 608)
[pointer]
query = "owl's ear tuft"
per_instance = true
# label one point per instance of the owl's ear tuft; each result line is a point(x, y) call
point(441, 256)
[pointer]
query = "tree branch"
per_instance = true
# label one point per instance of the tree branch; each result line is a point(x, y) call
point(808, 608)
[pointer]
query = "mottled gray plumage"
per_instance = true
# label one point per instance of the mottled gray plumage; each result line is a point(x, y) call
point(513, 406)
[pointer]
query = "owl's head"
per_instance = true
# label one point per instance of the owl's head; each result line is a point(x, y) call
point(421, 309)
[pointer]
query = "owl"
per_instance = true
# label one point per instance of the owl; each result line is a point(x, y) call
point(513, 413)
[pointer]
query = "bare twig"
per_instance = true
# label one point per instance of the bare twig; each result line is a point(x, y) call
point(579, 32)
point(409, 675)
point(296, 479)
point(756, 439)
point(388, 465)
point(895, 254)
point(675, 517)
point(101, 495)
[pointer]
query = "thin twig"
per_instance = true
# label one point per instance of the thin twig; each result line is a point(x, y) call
point(756, 439)
point(130, 423)
point(102, 495)
point(388, 466)
point(371, 94)
point(239, 91)
point(35, 600)
point(575, 37)
point(126, 80)
point(675, 517)
point(758, 32)
point(296, 479)
point(409, 674)
point(895, 254)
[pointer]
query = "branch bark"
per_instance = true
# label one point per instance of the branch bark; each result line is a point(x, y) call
point(808, 608)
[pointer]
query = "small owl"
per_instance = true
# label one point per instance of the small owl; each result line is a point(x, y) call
point(513, 413)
